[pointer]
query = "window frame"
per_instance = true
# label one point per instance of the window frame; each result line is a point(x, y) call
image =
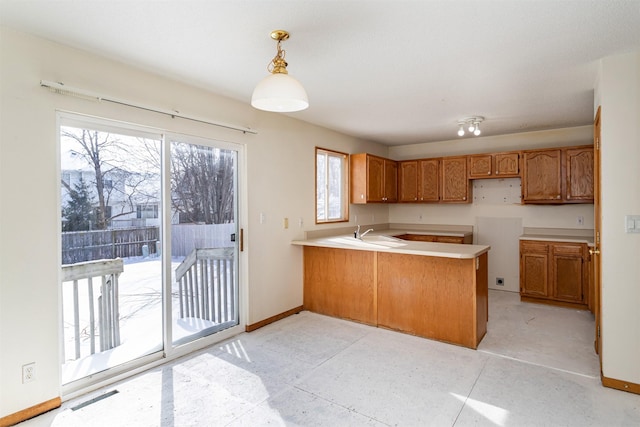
point(344, 199)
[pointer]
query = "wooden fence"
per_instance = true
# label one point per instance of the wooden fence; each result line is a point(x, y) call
point(81, 246)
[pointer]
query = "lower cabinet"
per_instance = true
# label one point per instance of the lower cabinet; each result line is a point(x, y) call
point(554, 272)
point(433, 297)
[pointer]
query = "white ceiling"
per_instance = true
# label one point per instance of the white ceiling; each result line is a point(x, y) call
point(393, 71)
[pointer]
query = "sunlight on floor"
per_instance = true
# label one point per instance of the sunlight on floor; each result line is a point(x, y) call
point(495, 414)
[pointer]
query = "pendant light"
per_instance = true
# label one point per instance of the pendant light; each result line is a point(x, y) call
point(279, 92)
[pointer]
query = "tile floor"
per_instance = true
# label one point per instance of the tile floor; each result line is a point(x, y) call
point(535, 367)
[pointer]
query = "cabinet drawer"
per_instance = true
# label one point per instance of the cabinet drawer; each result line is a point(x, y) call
point(567, 249)
point(530, 246)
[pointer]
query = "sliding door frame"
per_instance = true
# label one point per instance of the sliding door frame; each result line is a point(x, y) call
point(168, 352)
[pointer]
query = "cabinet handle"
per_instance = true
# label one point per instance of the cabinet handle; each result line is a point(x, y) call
point(594, 251)
point(464, 198)
point(568, 196)
point(558, 196)
point(489, 173)
point(497, 172)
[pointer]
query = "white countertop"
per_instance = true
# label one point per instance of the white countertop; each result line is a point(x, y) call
point(385, 242)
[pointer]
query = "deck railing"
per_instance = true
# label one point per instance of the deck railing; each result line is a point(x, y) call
point(107, 328)
point(206, 285)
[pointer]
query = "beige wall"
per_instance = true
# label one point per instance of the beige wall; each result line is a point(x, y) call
point(618, 92)
point(279, 181)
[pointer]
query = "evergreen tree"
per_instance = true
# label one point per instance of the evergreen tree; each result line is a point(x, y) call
point(78, 212)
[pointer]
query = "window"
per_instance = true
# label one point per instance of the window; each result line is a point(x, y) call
point(146, 211)
point(331, 186)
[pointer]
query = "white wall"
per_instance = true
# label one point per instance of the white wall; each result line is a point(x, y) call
point(496, 201)
point(279, 182)
point(618, 92)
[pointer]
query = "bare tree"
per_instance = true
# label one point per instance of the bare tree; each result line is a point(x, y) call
point(120, 169)
point(202, 183)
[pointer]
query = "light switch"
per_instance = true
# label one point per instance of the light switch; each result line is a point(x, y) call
point(632, 223)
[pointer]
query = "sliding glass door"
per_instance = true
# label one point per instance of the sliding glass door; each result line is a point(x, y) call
point(148, 252)
point(203, 229)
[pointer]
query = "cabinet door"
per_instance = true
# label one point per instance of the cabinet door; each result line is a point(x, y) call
point(542, 178)
point(455, 183)
point(429, 180)
point(408, 181)
point(480, 165)
point(534, 269)
point(579, 167)
point(390, 181)
point(375, 179)
point(567, 272)
point(507, 164)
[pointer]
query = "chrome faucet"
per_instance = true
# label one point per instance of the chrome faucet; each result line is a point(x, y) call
point(357, 234)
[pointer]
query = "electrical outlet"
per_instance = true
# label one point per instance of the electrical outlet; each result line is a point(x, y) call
point(580, 220)
point(285, 223)
point(28, 372)
point(499, 281)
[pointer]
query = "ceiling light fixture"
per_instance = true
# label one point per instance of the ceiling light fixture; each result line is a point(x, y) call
point(471, 123)
point(279, 92)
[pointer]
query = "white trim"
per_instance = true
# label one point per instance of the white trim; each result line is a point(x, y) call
point(128, 369)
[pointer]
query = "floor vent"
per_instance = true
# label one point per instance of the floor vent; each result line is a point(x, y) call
point(94, 400)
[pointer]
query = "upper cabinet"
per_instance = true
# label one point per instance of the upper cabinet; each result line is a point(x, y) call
point(494, 165)
point(549, 176)
point(429, 180)
point(542, 176)
point(408, 181)
point(455, 183)
point(373, 179)
point(563, 175)
point(579, 171)
point(419, 180)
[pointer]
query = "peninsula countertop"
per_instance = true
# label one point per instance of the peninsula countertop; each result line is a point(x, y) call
point(384, 241)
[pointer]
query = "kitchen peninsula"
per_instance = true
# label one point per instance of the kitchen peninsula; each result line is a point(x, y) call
point(433, 290)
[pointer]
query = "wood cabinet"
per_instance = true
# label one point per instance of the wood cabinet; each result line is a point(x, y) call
point(434, 180)
point(541, 181)
point(434, 297)
point(563, 175)
point(436, 238)
point(429, 180)
point(408, 181)
point(554, 272)
point(419, 181)
point(373, 179)
point(579, 174)
point(454, 181)
point(494, 165)
point(340, 283)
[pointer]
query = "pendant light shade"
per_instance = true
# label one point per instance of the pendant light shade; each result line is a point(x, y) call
point(279, 92)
